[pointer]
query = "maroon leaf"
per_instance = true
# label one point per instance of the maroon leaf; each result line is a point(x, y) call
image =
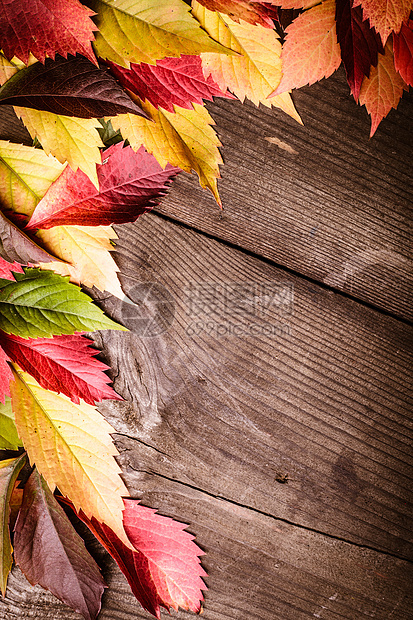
point(16, 246)
point(359, 44)
point(178, 81)
point(165, 570)
point(129, 185)
point(72, 87)
point(52, 554)
point(45, 27)
point(5, 377)
point(403, 52)
point(6, 269)
point(63, 364)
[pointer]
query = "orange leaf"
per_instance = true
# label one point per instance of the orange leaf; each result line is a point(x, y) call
point(385, 16)
point(311, 51)
point(382, 90)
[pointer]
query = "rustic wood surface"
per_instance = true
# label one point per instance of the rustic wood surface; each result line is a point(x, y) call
point(276, 423)
point(321, 199)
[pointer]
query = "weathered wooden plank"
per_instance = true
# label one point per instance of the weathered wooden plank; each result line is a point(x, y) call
point(259, 569)
point(324, 397)
point(322, 199)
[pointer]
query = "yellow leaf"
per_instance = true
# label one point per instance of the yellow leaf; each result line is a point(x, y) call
point(7, 69)
point(184, 139)
point(71, 447)
point(87, 249)
point(70, 139)
point(26, 174)
point(148, 30)
point(256, 71)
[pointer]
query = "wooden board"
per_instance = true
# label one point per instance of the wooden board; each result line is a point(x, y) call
point(324, 398)
point(259, 569)
point(323, 200)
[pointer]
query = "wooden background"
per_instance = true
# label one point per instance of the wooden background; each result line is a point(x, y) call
point(286, 449)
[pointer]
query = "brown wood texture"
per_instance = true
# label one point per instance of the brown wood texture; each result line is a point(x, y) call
point(264, 408)
point(323, 199)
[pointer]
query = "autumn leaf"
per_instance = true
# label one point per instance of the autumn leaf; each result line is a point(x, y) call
point(44, 28)
point(42, 304)
point(129, 184)
point(25, 175)
point(16, 246)
point(176, 574)
point(6, 269)
point(87, 252)
point(296, 4)
point(5, 378)
point(184, 138)
point(147, 31)
point(7, 68)
point(172, 81)
point(359, 44)
point(255, 72)
point(51, 553)
point(69, 139)
point(63, 364)
point(164, 570)
point(382, 90)
point(9, 439)
point(385, 16)
point(403, 52)
point(71, 87)
point(9, 470)
point(251, 12)
point(310, 51)
point(82, 467)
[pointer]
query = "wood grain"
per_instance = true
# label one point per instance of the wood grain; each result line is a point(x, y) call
point(258, 569)
point(323, 200)
point(326, 401)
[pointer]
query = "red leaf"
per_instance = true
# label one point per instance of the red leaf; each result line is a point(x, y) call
point(251, 12)
point(45, 28)
point(385, 16)
point(52, 554)
point(165, 570)
point(403, 52)
point(5, 377)
point(178, 81)
point(6, 269)
point(359, 44)
point(130, 184)
point(63, 364)
point(72, 87)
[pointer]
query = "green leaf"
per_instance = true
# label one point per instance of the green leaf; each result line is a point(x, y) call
point(9, 439)
point(44, 304)
point(147, 30)
point(9, 470)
